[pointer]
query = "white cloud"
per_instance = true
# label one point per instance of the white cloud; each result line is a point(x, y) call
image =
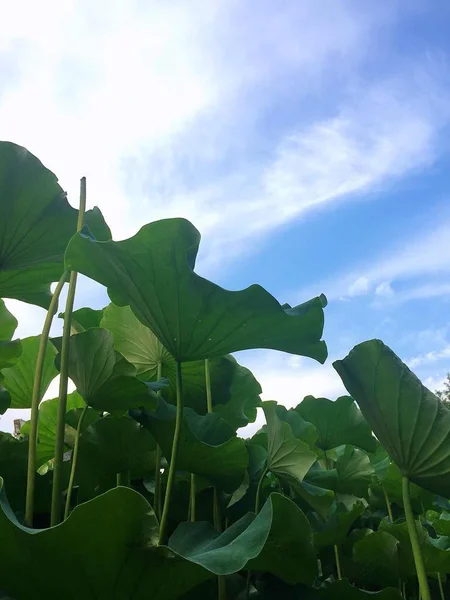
point(358, 287)
point(384, 289)
point(429, 357)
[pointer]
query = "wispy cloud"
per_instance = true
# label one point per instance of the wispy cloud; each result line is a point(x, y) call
point(429, 357)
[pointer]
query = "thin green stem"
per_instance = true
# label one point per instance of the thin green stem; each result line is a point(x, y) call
point(55, 516)
point(388, 504)
point(441, 587)
point(216, 511)
point(35, 399)
point(222, 587)
point(157, 496)
point(173, 458)
point(192, 511)
point(327, 460)
point(208, 386)
point(338, 562)
point(258, 491)
point(123, 478)
point(73, 467)
point(415, 544)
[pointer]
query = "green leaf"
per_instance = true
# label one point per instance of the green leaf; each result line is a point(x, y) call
point(9, 351)
point(36, 224)
point(436, 558)
point(110, 446)
point(337, 422)
point(84, 318)
point(207, 446)
point(335, 530)
point(152, 271)
point(102, 376)
point(235, 391)
point(287, 457)
point(410, 421)
point(319, 499)
point(441, 524)
point(279, 540)
point(18, 380)
point(8, 323)
point(354, 472)
point(377, 558)
point(48, 410)
point(109, 541)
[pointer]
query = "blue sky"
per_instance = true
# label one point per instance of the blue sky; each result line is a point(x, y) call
point(307, 141)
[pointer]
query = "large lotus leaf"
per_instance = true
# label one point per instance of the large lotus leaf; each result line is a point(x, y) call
point(301, 429)
point(8, 323)
point(110, 446)
point(287, 456)
point(436, 558)
point(110, 542)
point(337, 422)
point(354, 472)
point(9, 350)
point(19, 379)
point(335, 529)
point(102, 376)
point(234, 390)
point(376, 556)
point(409, 420)
point(48, 411)
point(36, 224)
point(193, 318)
point(278, 540)
point(208, 445)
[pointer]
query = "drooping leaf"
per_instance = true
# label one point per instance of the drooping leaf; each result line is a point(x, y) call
point(354, 472)
point(104, 378)
point(110, 446)
point(208, 445)
point(235, 392)
point(337, 422)
point(36, 224)
point(10, 351)
point(278, 540)
point(376, 555)
point(48, 410)
point(8, 323)
point(409, 420)
point(153, 270)
point(319, 499)
point(18, 380)
point(287, 457)
point(335, 529)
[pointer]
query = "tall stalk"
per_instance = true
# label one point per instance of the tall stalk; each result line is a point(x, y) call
point(157, 496)
point(441, 587)
point(73, 467)
point(192, 500)
point(258, 491)
point(388, 503)
point(415, 543)
point(35, 398)
point(55, 516)
point(221, 581)
point(338, 562)
point(173, 458)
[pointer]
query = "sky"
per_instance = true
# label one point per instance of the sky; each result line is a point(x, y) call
point(307, 141)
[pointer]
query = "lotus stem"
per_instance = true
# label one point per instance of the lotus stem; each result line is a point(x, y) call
point(35, 399)
point(173, 458)
point(123, 478)
point(157, 496)
point(55, 517)
point(327, 460)
point(388, 504)
point(73, 467)
point(208, 386)
point(258, 491)
point(415, 544)
point(441, 587)
point(192, 512)
point(338, 562)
